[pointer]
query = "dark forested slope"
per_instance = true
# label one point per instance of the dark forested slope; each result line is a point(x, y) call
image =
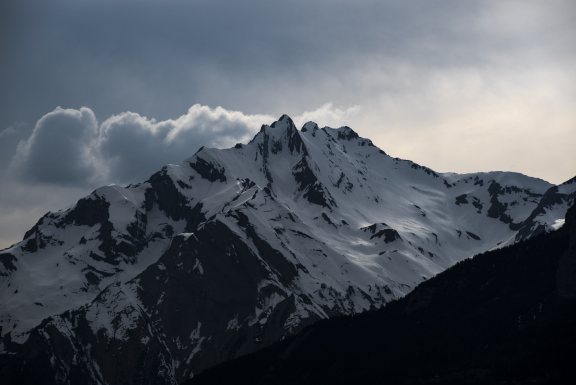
point(505, 316)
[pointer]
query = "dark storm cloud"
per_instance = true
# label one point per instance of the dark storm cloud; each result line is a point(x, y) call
point(157, 58)
point(160, 57)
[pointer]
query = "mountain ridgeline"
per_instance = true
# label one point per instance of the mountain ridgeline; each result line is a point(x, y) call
point(235, 249)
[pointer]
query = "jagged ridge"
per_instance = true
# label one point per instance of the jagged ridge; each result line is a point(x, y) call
point(234, 249)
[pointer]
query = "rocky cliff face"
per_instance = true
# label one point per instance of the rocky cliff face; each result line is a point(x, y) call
point(234, 249)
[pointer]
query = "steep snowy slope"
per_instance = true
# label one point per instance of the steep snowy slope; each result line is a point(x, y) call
point(507, 316)
point(234, 249)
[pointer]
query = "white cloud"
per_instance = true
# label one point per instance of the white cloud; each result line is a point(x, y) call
point(133, 147)
point(68, 148)
point(329, 116)
point(59, 149)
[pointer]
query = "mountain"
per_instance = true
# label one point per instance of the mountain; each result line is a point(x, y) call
point(234, 249)
point(507, 316)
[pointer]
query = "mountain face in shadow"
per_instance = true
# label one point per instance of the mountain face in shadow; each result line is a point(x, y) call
point(235, 249)
point(505, 316)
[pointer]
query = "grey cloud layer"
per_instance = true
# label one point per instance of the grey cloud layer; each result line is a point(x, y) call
point(159, 57)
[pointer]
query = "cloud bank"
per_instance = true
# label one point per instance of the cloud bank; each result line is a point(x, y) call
point(69, 148)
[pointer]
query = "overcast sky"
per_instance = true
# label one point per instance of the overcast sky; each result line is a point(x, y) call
point(100, 92)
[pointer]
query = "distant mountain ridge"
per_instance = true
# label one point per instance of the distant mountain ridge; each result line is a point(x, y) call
point(234, 249)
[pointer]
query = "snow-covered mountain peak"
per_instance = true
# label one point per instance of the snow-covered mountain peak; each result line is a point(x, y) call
point(232, 249)
point(282, 128)
point(285, 122)
point(310, 126)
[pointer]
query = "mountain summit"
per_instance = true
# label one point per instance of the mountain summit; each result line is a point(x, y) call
point(234, 249)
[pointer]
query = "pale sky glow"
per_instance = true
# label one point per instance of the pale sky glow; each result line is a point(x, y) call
point(455, 86)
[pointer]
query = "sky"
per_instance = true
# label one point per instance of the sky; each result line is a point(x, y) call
point(101, 92)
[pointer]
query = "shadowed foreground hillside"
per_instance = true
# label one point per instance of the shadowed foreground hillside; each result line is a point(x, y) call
point(505, 316)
